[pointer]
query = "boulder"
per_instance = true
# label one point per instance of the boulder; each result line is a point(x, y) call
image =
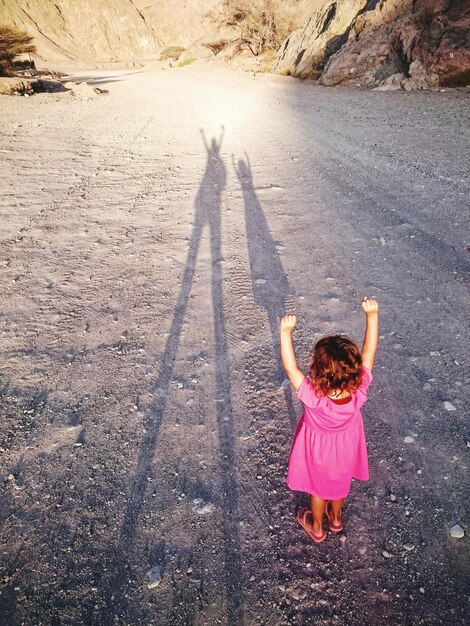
point(84, 90)
point(47, 84)
point(306, 51)
point(394, 82)
point(14, 86)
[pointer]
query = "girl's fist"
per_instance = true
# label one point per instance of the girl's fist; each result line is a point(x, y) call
point(288, 322)
point(369, 306)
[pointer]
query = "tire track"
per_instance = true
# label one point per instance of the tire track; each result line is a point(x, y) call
point(79, 188)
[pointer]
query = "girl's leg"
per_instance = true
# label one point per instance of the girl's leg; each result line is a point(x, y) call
point(318, 510)
point(335, 510)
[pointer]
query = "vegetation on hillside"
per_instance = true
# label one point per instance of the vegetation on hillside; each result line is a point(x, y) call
point(13, 42)
point(263, 24)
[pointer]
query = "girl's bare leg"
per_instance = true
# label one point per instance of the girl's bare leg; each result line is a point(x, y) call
point(335, 510)
point(318, 510)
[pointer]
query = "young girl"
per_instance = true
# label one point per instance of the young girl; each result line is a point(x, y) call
point(329, 447)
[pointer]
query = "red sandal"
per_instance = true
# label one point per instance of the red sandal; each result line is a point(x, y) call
point(301, 514)
point(335, 528)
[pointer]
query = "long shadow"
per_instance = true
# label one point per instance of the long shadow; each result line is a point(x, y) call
point(269, 281)
point(208, 209)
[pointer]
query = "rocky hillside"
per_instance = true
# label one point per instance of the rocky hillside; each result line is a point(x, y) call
point(389, 44)
point(83, 30)
point(90, 33)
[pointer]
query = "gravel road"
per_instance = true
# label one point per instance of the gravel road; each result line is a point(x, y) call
point(151, 238)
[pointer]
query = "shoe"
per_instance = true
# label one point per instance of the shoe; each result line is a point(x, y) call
point(301, 515)
point(335, 528)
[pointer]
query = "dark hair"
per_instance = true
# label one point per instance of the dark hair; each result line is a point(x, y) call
point(336, 365)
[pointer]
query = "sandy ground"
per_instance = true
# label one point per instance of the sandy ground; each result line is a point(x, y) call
point(145, 420)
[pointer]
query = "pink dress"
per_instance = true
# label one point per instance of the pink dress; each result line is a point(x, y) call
point(329, 447)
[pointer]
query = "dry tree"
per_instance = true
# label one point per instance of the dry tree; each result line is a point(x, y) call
point(257, 22)
point(13, 42)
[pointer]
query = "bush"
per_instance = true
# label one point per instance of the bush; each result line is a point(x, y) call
point(172, 52)
point(187, 61)
point(263, 24)
point(13, 42)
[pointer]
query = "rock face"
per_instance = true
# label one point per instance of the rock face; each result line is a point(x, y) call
point(180, 23)
point(79, 30)
point(393, 44)
point(130, 31)
point(14, 86)
point(306, 51)
point(386, 44)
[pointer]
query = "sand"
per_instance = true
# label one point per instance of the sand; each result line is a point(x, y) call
point(151, 237)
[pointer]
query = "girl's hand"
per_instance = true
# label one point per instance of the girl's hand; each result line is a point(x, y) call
point(369, 306)
point(288, 323)
point(295, 375)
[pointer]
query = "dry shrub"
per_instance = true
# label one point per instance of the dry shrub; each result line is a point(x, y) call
point(172, 52)
point(13, 42)
point(263, 24)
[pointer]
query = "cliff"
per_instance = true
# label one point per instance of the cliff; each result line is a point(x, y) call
point(382, 43)
point(79, 31)
point(90, 33)
point(387, 44)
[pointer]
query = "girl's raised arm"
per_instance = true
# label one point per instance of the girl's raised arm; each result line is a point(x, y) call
point(371, 336)
point(296, 377)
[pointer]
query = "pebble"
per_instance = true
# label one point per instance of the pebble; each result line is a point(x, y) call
point(205, 509)
point(393, 497)
point(449, 406)
point(244, 436)
point(180, 385)
point(154, 576)
point(421, 589)
point(343, 538)
point(260, 281)
point(298, 594)
point(409, 439)
point(408, 546)
point(362, 550)
point(457, 532)
point(386, 554)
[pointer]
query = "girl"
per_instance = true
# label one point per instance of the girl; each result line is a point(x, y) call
point(329, 447)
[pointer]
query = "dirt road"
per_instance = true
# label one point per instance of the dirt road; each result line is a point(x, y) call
point(151, 238)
